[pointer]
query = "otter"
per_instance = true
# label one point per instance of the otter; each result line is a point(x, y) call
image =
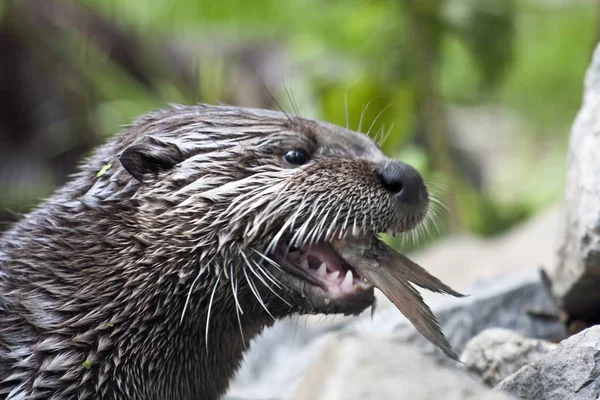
point(182, 238)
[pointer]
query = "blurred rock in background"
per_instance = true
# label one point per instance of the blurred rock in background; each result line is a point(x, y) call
point(577, 277)
point(496, 353)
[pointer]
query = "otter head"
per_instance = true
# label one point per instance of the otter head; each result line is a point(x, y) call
point(249, 201)
point(133, 280)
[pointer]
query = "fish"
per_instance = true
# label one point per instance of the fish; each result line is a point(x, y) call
point(394, 275)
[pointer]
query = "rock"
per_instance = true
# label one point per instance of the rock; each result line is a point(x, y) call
point(365, 367)
point(281, 356)
point(278, 358)
point(496, 353)
point(570, 371)
point(577, 276)
point(511, 303)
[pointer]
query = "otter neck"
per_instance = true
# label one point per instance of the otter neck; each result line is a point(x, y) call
point(201, 348)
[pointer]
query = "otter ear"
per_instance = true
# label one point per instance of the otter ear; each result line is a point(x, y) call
point(144, 161)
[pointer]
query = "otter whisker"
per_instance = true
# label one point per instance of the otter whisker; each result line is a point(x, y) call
point(210, 303)
point(387, 134)
point(362, 113)
point(300, 236)
point(350, 211)
point(422, 233)
point(377, 117)
point(418, 234)
point(288, 223)
point(273, 208)
point(247, 260)
point(187, 299)
point(280, 191)
point(261, 269)
point(292, 100)
point(277, 237)
point(425, 227)
point(379, 135)
point(331, 230)
point(433, 217)
point(234, 287)
point(298, 211)
point(238, 307)
point(438, 189)
point(327, 208)
point(317, 231)
point(413, 237)
point(268, 275)
point(288, 116)
point(267, 259)
point(255, 291)
point(435, 200)
point(251, 283)
point(260, 278)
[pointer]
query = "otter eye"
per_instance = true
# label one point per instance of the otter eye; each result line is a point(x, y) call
point(296, 157)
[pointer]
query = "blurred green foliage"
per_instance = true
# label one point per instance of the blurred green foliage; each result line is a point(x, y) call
point(359, 67)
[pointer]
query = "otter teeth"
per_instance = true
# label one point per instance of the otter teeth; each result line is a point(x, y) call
point(347, 283)
point(322, 271)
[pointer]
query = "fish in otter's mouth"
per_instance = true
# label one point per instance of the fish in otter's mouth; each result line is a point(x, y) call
point(347, 270)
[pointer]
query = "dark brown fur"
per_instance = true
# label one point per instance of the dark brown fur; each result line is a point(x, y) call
point(146, 282)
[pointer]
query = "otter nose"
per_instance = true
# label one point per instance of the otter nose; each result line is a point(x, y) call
point(403, 181)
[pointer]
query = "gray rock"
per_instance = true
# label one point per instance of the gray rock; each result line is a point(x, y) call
point(497, 353)
point(577, 275)
point(570, 371)
point(364, 367)
point(280, 357)
point(509, 303)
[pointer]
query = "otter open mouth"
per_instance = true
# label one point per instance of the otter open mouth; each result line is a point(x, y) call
point(321, 266)
point(347, 270)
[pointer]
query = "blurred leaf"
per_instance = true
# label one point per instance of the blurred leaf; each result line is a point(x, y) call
point(487, 28)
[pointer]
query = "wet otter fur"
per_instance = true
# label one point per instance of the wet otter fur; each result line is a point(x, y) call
point(146, 276)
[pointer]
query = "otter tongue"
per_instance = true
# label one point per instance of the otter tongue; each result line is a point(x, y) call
point(391, 273)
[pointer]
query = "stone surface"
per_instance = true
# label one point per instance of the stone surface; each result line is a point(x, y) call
point(280, 358)
point(570, 371)
point(364, 367)
point(496, 353)
point(577, 276)
point(510, 302)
